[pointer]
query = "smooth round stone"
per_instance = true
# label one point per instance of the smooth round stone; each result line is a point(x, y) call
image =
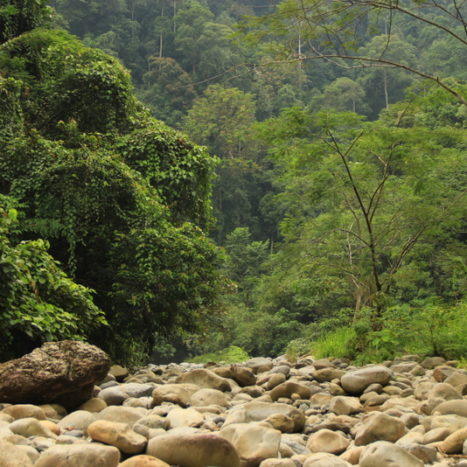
point(143, 461)
point(385, 454)
point(25, 411)
point(117, 434)
point(194, 450)
point(355, 382)
point(79, 455)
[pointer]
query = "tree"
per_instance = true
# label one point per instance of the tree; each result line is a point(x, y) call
point(167, 89)
point(362, 201)
point(333, 31)
point(18, 16)
point(344, 94)
point(190, 20)
point(383, 85)
point(223, 120)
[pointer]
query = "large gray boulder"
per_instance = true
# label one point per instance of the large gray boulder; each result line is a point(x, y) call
point(62, 372)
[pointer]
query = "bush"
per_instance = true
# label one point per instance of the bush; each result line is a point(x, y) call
point(339, 343)
point(38, 301)
point(426, 329)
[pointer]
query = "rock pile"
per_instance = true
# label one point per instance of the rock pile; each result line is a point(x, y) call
point(268, 413)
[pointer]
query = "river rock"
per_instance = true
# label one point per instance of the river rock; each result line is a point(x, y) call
point(204, 379)
point(327, 374)
point(456, 407)
point(278, 463)
point(456, 379)
point(259, 364)
point(143, 461)
point(30, 427)
point(380, 427)
point(25, 411)
point(444, 391)
point(325, 460)
point(254, 442)
point(78, 420)
point(385, 454)
point(356, 381)
point(118, 372)
point(288, 388)
point(13, 456)
point(281, 422)
point(206, 396)
point(328, 441)
point(179, 394)
point(242, 375)
point(79, 455)
point(113, 395)
point(194, 450)
point(274, 380)
point(454, 442)
point(117, 434)
point(342, 405)
point(256, 411)
point(441, 373)
point(179, 417)
point(128, 415)
point(94, 405)
point(64, 372)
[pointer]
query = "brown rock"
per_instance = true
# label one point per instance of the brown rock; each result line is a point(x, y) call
point(441, 373)
point(117, 434)
point(342, 405)
point(243, 376)
point(204, 379)
point(176, 393)
point(328, 441)
point(356, 381)
point(327, 374)
point(194, 450)
point(79, 455)
point(430, 362)
point(256, 411)
point(94, 405)
point(143, 461)
point(380, 427)
point(288, 388)
point(118, 372)
point(281, 422)
point(49, 425)
point(64, 372)
point(254, 442)
point(13, 456)
point(456, 407)
point(453, 443)
point(25, 411)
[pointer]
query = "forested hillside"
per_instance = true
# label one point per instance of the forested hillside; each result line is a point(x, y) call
point(90, 179)
point(337, 132)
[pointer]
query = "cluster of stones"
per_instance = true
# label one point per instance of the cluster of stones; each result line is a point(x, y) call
point(264, 412)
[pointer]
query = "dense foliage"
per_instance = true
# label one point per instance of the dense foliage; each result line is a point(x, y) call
point(120, 198)
point(38, 300)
